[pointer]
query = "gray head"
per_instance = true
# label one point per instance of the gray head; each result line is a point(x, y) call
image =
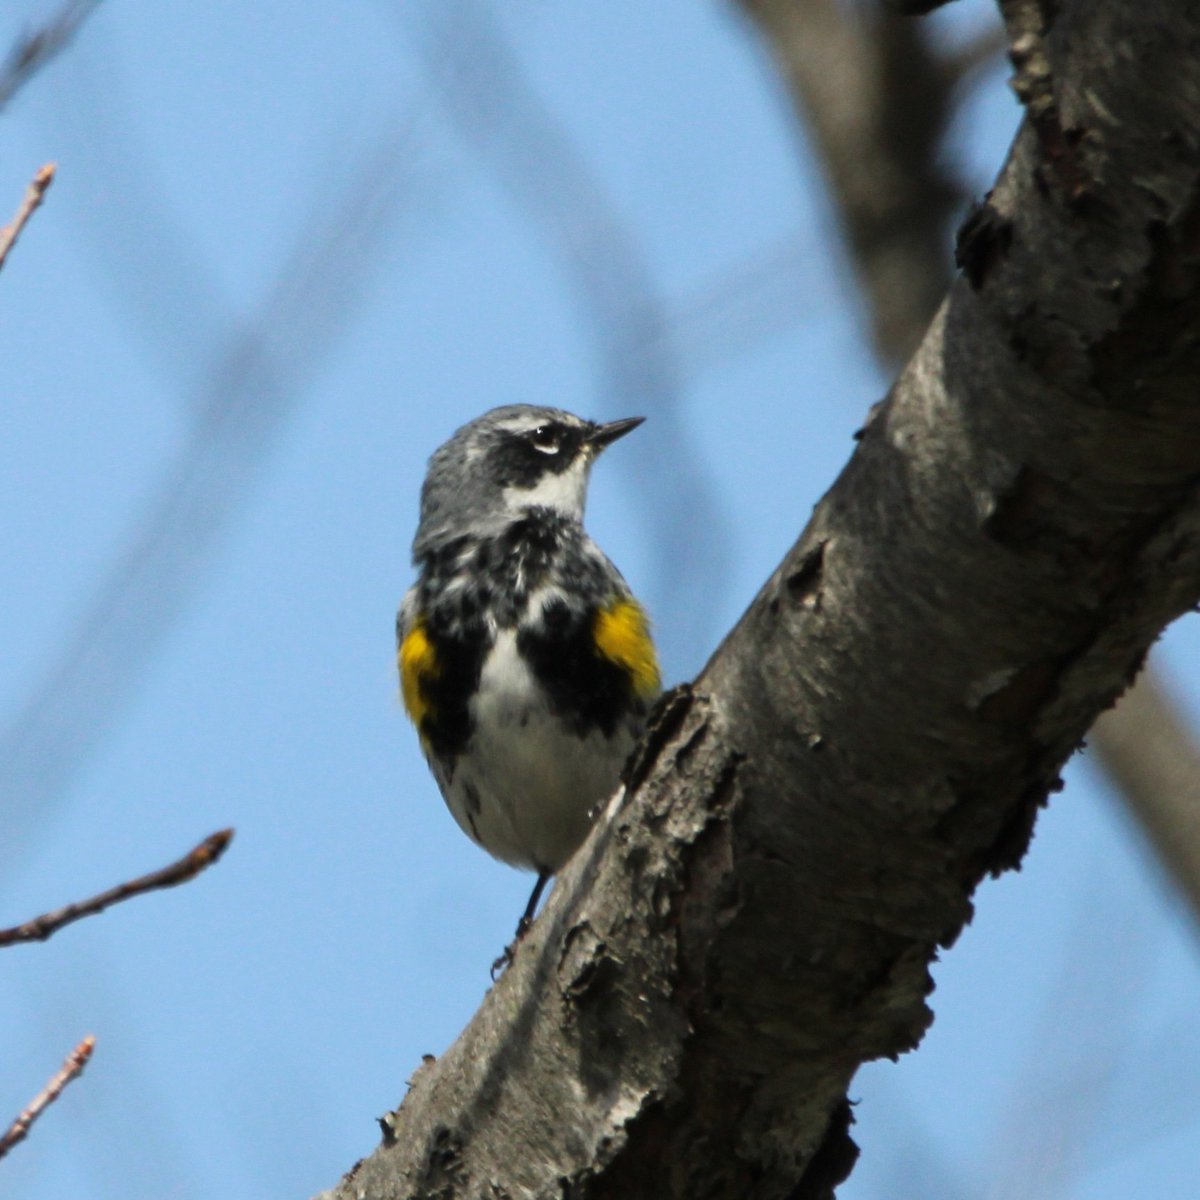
point(512, 459)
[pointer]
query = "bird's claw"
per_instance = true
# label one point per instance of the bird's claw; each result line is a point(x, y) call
point(505, 959)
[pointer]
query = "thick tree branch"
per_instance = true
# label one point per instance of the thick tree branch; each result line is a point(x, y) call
point(806, 823)
point(806, 36)
point(180, 871)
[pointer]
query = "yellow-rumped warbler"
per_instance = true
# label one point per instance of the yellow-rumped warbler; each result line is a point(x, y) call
point(525, 662)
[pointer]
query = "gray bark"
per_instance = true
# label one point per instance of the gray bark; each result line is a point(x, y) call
point(807, 821)
point(875, 95)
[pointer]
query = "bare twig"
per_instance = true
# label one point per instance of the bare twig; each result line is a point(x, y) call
point(73, 1066)
point(188, 867)
point(33, 198)
point(34, 50)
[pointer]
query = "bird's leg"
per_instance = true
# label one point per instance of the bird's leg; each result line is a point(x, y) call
point(527, 916)
point(523, 924)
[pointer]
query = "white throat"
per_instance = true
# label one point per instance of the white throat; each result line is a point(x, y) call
point(565, 492)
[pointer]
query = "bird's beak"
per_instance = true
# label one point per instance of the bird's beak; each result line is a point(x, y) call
point(604, 435)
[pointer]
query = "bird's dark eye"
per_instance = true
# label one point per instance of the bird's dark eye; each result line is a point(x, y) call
point(547, 439)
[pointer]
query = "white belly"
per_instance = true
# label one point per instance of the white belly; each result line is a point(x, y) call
point(526, 786)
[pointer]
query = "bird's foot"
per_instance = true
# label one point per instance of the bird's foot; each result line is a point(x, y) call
point(511, 949)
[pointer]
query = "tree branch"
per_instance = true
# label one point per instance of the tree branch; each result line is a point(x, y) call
point(805, 825)
point(806, 37)
point(73, 1066)
point(29, 205)
point(186, 868)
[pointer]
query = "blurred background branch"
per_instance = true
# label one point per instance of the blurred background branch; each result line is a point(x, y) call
point(476, 78)
point(1150, 753)
point(875, 98)
point(30, 53)
point(251, 386)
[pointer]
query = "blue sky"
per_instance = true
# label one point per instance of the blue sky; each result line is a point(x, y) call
point(289, 249)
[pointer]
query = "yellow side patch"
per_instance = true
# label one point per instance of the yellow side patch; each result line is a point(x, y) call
point(418, 663)
point(622, 635)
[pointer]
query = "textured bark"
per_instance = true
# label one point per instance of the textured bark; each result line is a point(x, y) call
point(806, 822)
point(850, 70)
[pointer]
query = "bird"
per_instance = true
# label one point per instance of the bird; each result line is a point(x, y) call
point(526, 663)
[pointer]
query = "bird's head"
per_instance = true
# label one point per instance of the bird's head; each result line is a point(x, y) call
point(507, 462)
